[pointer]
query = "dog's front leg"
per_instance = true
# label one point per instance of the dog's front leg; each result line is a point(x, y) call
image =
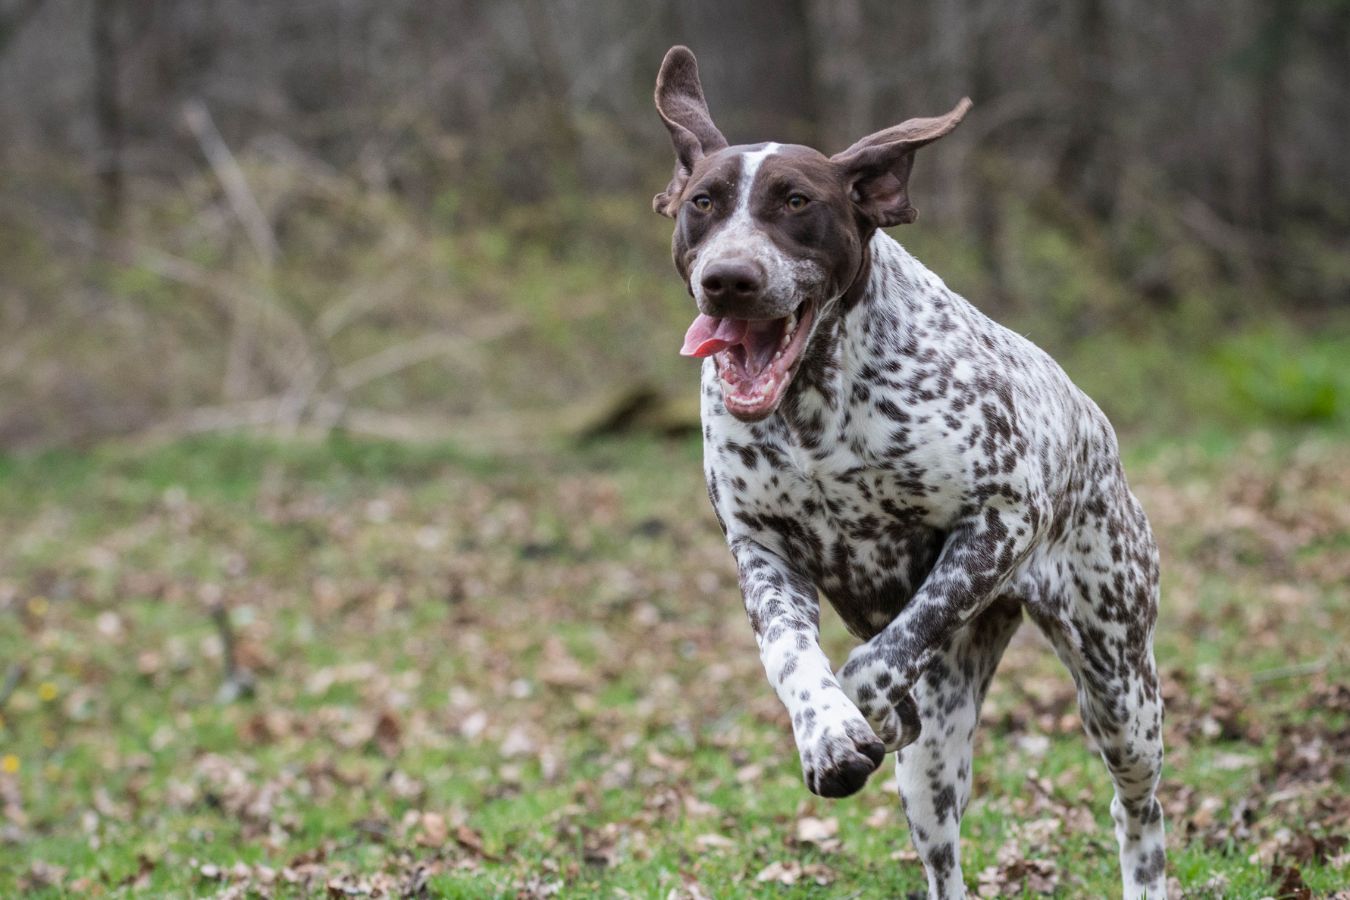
point(979, 555)
point(838, 750)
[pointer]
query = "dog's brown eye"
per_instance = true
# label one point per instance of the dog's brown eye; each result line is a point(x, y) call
point(702, 203)
point(797, 201)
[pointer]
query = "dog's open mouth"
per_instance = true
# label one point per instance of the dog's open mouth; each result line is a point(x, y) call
point(755, 357)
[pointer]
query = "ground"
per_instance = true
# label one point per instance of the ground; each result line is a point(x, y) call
point(529, 674)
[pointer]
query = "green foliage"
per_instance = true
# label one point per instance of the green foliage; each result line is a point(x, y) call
point(1281, 378)
point(1170, 381)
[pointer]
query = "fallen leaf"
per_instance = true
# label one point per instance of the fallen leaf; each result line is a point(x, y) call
point(781, 872)
point(820, 832)
point(434, 831)
point(388, 731)
point(714, 842)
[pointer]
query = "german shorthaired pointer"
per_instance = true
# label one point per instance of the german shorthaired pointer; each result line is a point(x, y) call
point(870, 435)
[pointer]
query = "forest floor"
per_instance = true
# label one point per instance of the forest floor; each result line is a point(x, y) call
point(530, 675)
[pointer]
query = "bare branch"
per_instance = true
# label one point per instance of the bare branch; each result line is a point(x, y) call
point(232, 180)
point(1297, 670)
point(410, 353)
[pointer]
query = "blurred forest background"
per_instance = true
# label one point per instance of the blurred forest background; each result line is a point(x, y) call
point(445, 649)
point(417, 219)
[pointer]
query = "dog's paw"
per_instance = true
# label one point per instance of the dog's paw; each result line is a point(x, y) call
point(897, 726)
point(840, 757)
point(887, 705)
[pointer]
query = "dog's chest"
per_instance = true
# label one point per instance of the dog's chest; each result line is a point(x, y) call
point(865, 532)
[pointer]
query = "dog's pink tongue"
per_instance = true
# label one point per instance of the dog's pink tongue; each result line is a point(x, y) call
point(709, 335)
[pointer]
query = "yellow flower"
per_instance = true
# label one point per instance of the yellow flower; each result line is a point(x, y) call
point(9, 764)
point(47, 692)
point(37, 606)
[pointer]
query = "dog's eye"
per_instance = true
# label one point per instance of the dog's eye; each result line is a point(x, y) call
point(797, 202)
point(702, 202)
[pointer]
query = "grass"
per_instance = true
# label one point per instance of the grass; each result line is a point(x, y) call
point(530, 674)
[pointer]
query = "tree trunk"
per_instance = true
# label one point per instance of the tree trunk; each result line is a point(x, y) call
point(951, 31)
point(1265, 195)
point(1089, 166)
point(844, 80)
point(12, 23)
point(107, 116)
point(756, 68)
point(986, 212)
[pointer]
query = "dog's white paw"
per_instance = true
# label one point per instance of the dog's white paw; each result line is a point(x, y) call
point(839, 756)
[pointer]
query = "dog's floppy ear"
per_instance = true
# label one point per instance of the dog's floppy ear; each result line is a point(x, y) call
point(679, 100)
point(876, 168)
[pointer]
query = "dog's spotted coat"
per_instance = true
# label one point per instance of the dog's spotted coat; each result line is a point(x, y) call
point(931, 473)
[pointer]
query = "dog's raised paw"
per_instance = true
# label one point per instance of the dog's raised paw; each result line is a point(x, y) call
point(890, 709)
point(840, 761)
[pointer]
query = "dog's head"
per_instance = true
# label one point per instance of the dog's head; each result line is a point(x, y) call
point(768, 237)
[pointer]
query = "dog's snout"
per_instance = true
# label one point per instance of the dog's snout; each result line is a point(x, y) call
point(728, 282)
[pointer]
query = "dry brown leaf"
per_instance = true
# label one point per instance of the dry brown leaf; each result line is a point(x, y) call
point(471, 840)
point(822, 833)
point(712, 841)
point(433, 830)
point(388, 732)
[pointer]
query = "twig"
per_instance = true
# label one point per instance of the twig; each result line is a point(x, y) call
point(13, 676)
point(1298, 670)
point(245, 414)
point(238, 679)
point(410, 353)
point(339, 314)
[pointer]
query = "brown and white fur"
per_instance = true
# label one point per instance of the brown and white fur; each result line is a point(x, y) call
point(870, 435)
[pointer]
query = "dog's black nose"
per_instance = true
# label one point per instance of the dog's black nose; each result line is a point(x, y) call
point(727, 282)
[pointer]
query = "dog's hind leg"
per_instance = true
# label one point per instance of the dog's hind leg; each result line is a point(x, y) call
point(1101, 625)
point(1129, 734)
point(934, 773)
point(1122, 713)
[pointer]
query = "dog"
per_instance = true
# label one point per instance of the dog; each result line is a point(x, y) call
point(870, 435)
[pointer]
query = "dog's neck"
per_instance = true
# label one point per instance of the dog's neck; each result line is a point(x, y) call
point(868, 330)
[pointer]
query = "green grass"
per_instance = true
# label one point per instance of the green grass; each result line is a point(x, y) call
point(510, 674)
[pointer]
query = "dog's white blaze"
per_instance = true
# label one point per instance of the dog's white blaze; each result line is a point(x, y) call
point(787, 280)
point(750, 163)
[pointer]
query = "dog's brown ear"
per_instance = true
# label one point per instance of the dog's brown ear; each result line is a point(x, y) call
point(876, 168)
point(679, 100)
